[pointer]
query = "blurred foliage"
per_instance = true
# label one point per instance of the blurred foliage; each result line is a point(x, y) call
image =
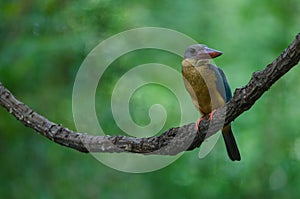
point(43, 45)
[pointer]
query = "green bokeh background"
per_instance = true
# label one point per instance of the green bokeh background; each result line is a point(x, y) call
point(43, 44)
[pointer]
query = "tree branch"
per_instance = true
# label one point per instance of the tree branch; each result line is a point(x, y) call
point(171, 142)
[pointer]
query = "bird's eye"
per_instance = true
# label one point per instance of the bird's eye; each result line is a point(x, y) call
point(192, 50)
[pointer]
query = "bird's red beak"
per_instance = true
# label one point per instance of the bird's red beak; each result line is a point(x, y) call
point(212, 53)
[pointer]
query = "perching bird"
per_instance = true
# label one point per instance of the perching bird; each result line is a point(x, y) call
point(208, 87)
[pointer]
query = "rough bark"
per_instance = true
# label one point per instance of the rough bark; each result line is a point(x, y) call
point(171, 142)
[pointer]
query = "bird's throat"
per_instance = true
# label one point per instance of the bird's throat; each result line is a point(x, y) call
point(194, 62)
point(202, 62)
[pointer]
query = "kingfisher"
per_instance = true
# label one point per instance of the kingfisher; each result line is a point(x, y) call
point(208, 88)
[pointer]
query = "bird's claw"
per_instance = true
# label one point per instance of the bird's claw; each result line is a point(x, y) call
point(211, 115)
point(201, 118)
point(198, 121)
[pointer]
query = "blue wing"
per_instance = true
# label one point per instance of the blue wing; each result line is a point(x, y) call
point(222, 83)
point(226, 85)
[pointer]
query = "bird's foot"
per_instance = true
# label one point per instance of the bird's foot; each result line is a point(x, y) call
point(201, 118)
point(198, 121)
point(211, 115)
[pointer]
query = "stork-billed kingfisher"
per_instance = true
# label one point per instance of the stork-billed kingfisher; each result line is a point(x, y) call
point(208, 87)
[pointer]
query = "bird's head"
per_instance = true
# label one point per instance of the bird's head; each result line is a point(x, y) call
point(199, 52)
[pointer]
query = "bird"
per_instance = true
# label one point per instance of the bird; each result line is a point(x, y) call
point(209, 89)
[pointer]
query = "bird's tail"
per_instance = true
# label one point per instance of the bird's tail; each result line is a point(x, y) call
point(231, 146)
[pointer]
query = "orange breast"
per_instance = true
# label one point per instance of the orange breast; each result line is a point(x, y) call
point(201, 83)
